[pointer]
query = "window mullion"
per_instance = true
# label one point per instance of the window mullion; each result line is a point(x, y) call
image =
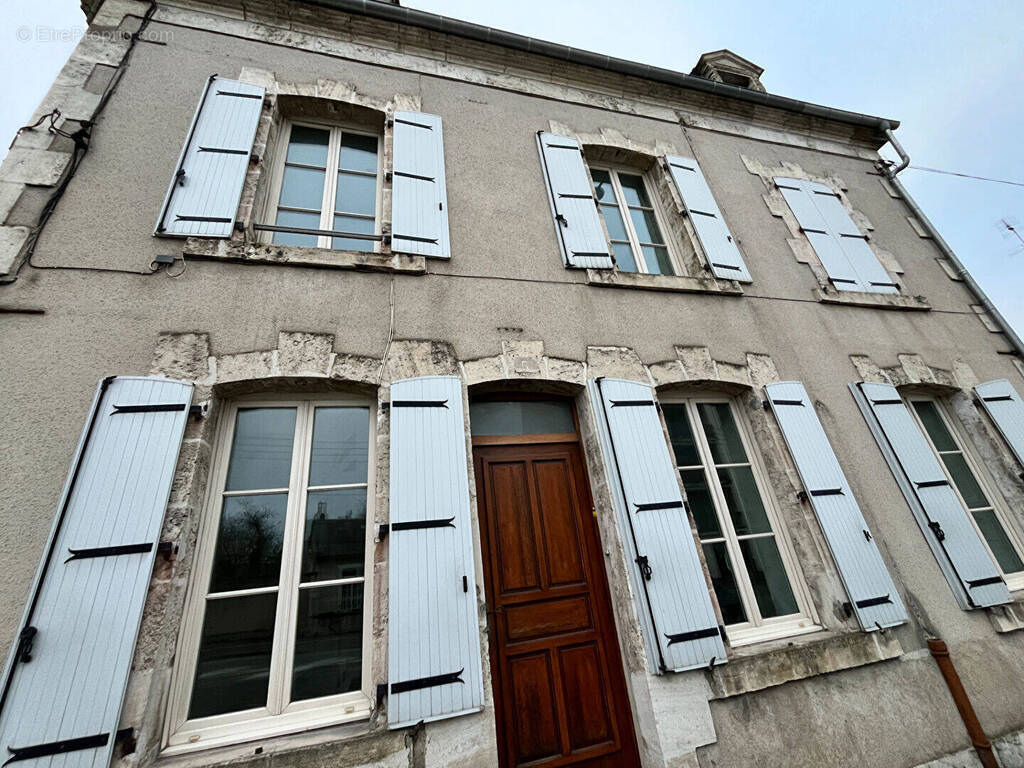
point(627, 220)
point(330, 187)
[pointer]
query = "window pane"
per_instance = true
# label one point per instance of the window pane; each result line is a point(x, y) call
point(356, 194)
point(679, 432)
point(768, 577)
point(613, 220)
point(302, 188)
point(964, 480)
point(340, 451)
point(296, 219)
point(724, 582)
point(351, 224)
point(624, 257)
point(934, 425)
point(328, 641)
point(723, 435)
point(698, 495)
point(308, 146)
point(334, 540)
point(249, 542)
point(358, 153)
point(741, 495)
point(603, 188)
point(633, 189)
point(646, 226)
point(234, 655)
point(1007, 557)
point(261, 450)
point(521, 417)
point(658, 262)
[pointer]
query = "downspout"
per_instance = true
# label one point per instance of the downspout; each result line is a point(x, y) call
point(958, 266)
point(980, 742)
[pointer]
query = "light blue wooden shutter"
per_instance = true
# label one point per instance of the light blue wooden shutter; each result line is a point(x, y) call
point(873, 595)
point(680, 627)
point(970, 570)
point(840, 245)
point(433, 640)
point(1004, 406)
point(419, 198)
point(202, 199)
point(581, 235)
point(66, 675)
point(723, 256)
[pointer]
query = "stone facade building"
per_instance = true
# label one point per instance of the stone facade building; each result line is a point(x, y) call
point(468, 400)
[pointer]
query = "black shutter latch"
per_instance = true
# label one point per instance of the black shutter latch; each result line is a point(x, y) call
point(25, 640)
point(937, 530)
point(645, 567)
point(179, 177)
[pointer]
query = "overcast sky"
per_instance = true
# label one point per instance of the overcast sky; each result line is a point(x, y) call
point(951, 72)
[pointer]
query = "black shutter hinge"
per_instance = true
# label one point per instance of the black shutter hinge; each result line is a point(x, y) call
point(645, 567)
point(801, 495)
point(382, 693)
point(26, 638)
point(126, 738)
point(937, 530)
point(197, 411)
point(867, 534)
point(168, 550)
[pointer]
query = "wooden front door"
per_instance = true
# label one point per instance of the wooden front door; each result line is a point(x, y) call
point(559, 689)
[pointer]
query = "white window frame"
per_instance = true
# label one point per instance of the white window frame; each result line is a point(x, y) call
point(330, 179)
point(756, 629)
point(659, 216)
point(1015, 581)
point(182, 734)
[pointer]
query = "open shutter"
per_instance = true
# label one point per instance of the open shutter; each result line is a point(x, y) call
point(66, 676)
point(1004, 406)
point(970, 570)
point(202, 199)
point(681, 629)
point(840, 245)
point(433, 640)
point(419, 199)
point(581, 234)
point(723, 256)
point(873, 595)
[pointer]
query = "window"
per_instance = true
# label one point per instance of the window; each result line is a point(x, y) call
point(630, 215)
point(329, 183)
point(276, 632)
point(988, 516)
point(750, 567)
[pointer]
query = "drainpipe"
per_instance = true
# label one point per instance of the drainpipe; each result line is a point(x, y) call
point(979, 740)
point(958, 266)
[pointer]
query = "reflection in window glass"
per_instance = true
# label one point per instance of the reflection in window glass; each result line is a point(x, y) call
point(631, 221)
point(261, 449)
point(521, 417)
point(328, 641)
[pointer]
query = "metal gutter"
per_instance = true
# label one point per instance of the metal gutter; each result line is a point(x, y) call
point(395, 13)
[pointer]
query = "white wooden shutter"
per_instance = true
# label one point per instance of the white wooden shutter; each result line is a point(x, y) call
point(433, 640)
point(838, 242)
point(1004, 406)
point(680, 626)
point(962, 556)
point(873, 596)
point(723, 256)
point(66, 675)
point(202, 199)
point(581, 234)
point(419, 198)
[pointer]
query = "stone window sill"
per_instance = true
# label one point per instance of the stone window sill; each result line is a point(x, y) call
point(1009, 617)
point(266, 253)
point(874, 300)
point(611, 278)
point(769, 664)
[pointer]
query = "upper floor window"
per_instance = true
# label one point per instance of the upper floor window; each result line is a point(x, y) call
point(751, 569)
point(631, 217)
point(329, 182)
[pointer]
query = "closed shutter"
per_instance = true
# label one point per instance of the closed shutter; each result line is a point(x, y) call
point(840, 245)
point(433, 641)
point(873, 595)
point(681, 629)
point(202, 199)
point(581, 235)
point(419, 198)
point(970, 570)
point(1004, 406)
point(723, 256)
point(66, 676)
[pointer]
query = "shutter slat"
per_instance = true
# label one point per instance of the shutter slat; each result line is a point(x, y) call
point(873, 596)
point(419, 198)
point(674, 605)
point(723, 256)
point(204, 200)
point(971, 571)
point(87, 611)
point(434, 667)
point(581, 235)
point(1006, 409)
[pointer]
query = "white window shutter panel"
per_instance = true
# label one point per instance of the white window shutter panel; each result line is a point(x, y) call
point(962, 556)
point(723, 255)
point(581, 235)
point(419, 197)
point(674, 605)
point(66, 675)
point(1006, 409)
point(434, 668)
point(873, 596)
point(202, 199)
